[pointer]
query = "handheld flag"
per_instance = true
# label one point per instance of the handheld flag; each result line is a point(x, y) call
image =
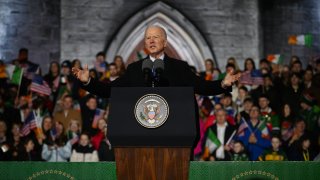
point(243, 126)
point(97, 116)
point(17, 76)
point(29, 124)
point(257, 78)
point(253, 77)
point(40, 86)
point(264, 129)
point(275, 58)
point(212, 141)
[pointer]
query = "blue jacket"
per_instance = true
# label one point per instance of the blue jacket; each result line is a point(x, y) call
point(60, 154)
point(255, 150)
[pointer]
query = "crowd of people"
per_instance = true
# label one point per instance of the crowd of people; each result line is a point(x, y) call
point(271, 114)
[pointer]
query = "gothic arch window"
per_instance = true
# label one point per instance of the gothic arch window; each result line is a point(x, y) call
point(184, 40)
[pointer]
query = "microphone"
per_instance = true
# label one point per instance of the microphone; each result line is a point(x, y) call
point(147, 69)
point(158, 68)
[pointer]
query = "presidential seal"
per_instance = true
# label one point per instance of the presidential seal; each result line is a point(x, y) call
point(151, 111)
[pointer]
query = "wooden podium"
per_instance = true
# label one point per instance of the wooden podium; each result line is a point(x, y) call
point(152, 153)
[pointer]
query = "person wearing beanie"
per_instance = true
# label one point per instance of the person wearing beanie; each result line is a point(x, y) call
point(269, 115)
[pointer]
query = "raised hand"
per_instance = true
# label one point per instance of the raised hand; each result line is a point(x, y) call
point(82, 75)
point(231, 78)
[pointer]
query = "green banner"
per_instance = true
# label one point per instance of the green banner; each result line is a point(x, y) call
point(198, 170)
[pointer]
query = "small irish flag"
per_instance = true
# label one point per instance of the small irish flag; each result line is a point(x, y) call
point(264, 129)
point(142, 54)
point(212, 141)
point(303, 39)
point(275, 58)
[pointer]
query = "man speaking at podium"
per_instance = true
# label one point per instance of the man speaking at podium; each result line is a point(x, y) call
point(170, 72)
point(158, 70)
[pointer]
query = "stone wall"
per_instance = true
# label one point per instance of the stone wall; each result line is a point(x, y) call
point(80, 28)
point(230, 27)
point(282, 18)
point(34, 24)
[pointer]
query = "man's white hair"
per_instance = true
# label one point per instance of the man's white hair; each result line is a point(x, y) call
point(159, 27)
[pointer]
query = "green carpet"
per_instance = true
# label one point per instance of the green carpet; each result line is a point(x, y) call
point(198, 170)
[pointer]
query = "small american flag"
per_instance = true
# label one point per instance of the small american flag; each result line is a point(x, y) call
point(40, 86)
point(29, 124)
point(97, 116)
point(246, 78)
point(244, 125)
point(253, 77)
point(257, 78)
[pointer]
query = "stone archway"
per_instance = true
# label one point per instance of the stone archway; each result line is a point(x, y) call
point(185, 41)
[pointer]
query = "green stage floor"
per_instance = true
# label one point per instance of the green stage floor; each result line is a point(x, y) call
point(198, 170)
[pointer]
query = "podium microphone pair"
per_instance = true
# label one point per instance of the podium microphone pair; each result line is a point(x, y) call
point(152, 70)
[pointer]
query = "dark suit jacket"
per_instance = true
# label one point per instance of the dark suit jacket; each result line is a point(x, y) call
point(176, 73)
point(229, 130)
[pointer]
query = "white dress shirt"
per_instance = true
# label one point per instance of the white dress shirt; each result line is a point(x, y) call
point(221, 129)
point(153, 58)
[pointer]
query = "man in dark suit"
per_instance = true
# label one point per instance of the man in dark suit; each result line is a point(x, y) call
point(223, 132)
point(176, 72)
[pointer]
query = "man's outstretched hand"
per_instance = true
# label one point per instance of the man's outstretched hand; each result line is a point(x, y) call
point(230, 78)
point(81, 74)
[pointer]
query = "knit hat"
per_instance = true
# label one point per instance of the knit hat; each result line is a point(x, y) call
point(66, 63)
point(307, 99)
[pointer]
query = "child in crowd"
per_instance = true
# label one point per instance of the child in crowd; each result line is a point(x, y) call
point(238, 153)
point(275, 153)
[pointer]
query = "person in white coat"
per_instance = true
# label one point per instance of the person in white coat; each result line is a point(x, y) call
point(84, 151)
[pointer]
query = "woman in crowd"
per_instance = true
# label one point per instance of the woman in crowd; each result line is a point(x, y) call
point(47, 124)
point(83, 151)
point(287, 120)
point(15, 141)
point(27, 152)
point(58, 150)
point(121, 68)
point(249, 65)
point(52, 78)
point(208, 74)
